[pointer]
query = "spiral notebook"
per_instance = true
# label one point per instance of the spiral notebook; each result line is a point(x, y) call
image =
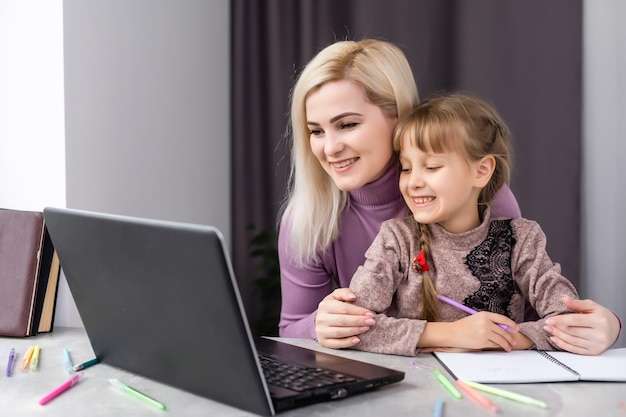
point(529, 366)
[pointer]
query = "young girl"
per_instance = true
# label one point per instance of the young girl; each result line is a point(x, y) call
point(454, 156)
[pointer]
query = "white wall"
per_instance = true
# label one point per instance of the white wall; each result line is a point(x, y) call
point(32, 129)
point(604, 149)
point(32, 152)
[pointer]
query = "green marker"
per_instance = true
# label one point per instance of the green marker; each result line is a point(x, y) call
point(84, 365)
point(507, 394)
point(447, 385)
point(139, 395)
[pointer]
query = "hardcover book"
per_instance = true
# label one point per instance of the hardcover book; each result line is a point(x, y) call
point(29, 273)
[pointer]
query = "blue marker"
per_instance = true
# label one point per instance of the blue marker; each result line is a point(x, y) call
point(68, 361)
point(438, 407)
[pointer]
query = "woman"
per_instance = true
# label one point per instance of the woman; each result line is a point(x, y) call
point(344, 184)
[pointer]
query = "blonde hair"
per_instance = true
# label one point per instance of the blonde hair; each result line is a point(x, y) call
point(456, 123)
point(314, 203)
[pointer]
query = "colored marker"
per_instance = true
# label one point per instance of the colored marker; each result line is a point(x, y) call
point(68, 361)
point(27, 357)
point(34, 361)
point(87, 364)
point(11, 360)
point(60, 389)
point(468, 310)
point(447, 384)
point(507, 394)
point(438, 407)
point(139, 395)
point(476, 396)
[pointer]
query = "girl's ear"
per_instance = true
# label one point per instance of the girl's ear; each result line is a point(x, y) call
point(484, 171)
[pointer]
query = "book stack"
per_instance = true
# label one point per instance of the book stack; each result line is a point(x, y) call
point(29, 274)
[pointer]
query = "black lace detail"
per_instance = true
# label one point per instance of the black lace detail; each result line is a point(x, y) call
point(490, 263)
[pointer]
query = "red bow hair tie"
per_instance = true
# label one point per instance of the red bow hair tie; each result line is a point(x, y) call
point(419, 263)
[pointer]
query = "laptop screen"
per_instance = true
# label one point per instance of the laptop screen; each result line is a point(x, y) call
point(160, 299)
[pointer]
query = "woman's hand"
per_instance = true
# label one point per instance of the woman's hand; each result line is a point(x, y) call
point(338, 322)
point(590, 330)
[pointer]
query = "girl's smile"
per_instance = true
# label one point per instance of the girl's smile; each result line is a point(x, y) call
point(440, 187)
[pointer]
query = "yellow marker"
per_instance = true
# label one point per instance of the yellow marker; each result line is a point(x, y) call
point(27, 357)
point(34, 361)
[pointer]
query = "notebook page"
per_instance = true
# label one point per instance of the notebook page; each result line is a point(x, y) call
point(518, 366)
point(609, 366)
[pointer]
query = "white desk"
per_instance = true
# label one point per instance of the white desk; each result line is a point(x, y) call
point(93, 396)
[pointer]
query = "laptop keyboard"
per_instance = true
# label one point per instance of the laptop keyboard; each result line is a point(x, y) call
point(299, 377)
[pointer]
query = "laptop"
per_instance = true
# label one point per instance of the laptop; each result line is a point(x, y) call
point(160, 299)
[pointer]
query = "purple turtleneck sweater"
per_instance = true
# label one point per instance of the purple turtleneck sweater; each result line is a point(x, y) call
point(303, 288)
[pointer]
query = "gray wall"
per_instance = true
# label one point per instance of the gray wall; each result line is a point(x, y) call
point(147, 112)
point(604, 146)
point(147, 108)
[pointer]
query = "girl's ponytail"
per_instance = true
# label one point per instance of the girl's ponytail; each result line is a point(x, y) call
point(430, 307)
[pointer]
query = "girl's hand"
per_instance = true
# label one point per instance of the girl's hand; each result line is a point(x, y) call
point(589, 331)
point(481, 331)
point(338, 322)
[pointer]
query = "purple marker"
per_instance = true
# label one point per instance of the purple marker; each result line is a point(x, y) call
point(468, 310)
point(11, 360)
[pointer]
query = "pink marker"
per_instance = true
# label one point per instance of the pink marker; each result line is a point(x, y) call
point(61, 389)
point(476, 396)
point(468, 310)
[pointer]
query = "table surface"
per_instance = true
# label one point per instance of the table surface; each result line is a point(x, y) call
point(416, 395)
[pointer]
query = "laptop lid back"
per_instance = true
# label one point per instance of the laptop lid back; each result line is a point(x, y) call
point(131, 280)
